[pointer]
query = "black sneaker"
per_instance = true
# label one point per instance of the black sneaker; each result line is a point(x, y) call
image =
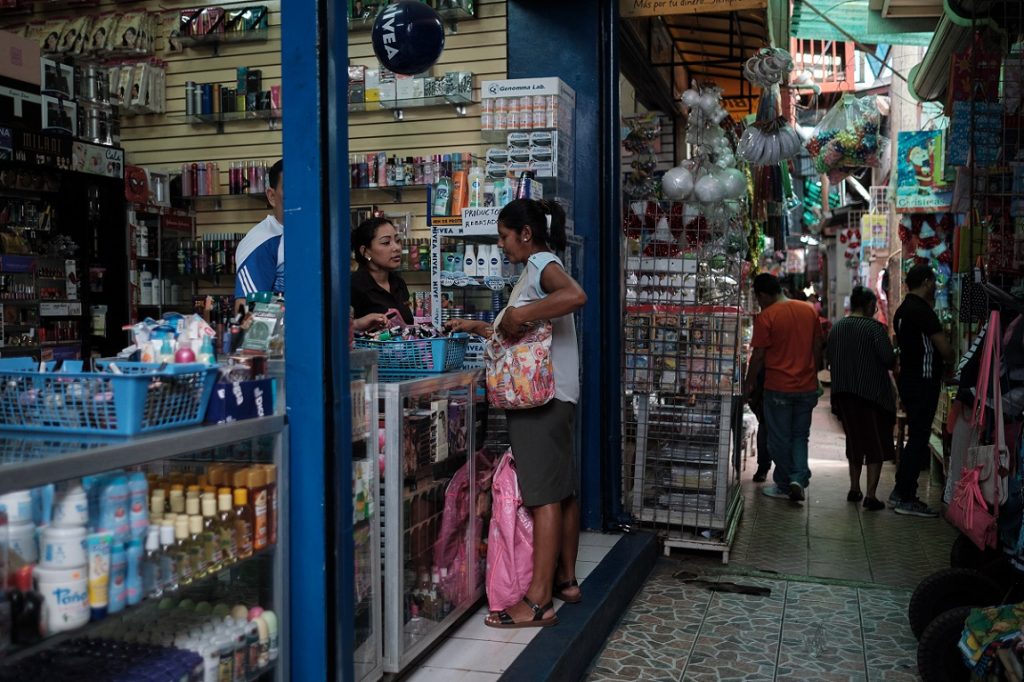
point(894, 500)
point(796, 492)
point(873, 504)
point(761, 475)
point(916, 508)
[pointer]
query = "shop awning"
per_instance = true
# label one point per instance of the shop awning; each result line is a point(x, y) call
point(845, 20)
point(929, 80)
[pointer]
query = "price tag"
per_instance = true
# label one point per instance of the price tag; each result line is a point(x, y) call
point(494, 283)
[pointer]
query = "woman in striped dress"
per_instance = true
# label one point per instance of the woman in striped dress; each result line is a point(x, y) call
point(860, 357)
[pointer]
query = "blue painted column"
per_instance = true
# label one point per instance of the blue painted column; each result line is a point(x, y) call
point(576, 40)
point(319, 626)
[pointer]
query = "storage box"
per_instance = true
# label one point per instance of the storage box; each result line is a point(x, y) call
point(240, 400)
point(19, 59)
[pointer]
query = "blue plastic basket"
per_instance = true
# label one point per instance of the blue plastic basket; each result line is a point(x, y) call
point(418, 356)
point(144, 398)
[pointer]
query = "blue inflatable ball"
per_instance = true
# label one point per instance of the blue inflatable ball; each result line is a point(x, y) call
point(408, 37)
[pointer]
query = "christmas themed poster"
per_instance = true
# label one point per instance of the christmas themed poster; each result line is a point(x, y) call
point(920, 187)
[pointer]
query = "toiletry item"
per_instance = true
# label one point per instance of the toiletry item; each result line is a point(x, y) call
point(22, 547)
point(482, 260)
point(18, 506)
point(71, 506)
point(196, 547)
point(476, 187)
point(494, 261)
point(98, 548)
point(252, 647)
point(118, 578)
point(42, 504)
point(133, 579)
point(257, 484)
point(489, 198)
point(157, 503)
point(113, 516)
point(138, 514)
point(270, 471)
point(150, 564)
point(168, 564)
point(271, 620)
point(226, 526)
point(206, 354)
point(26, 609)
point(243, 524)
point(177, 499)
point(63, 547)
point(469, 262)
point(145, 286)
point(66, 598)
point(180, 550)
point(213, 555)
point(459, 258)
point(460, 191)
point(442, 204)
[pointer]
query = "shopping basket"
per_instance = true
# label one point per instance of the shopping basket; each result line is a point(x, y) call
point(418, 356)
point(143, 398)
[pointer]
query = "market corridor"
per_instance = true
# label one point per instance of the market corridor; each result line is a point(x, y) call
point(840, 580)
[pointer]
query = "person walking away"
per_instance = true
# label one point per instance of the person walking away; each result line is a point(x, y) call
point(259, 257)
point(787, 344)
point(860, 356)
point(542, 437)
point(764, 458)
point(923, 350)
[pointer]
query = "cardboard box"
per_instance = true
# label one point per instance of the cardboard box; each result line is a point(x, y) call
point(19, 59)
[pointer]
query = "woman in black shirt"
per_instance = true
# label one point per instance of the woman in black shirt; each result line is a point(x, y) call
point(376, 286)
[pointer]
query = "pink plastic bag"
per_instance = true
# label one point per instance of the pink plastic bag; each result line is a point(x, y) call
point(510, 543)
point(459, 519)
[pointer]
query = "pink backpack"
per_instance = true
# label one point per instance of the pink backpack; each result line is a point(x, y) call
point(510, 543)
point(450, 546)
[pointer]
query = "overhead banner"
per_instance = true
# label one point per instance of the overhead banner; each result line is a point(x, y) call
point(652, 8)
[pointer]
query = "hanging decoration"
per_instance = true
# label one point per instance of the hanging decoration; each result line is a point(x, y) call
point(847, 138)
point(408, 37)
point(770, 139)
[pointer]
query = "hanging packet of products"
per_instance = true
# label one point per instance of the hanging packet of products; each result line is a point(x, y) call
point(847, 138)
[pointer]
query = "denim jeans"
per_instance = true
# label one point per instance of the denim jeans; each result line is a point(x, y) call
point(920, 399)
point(788, 417)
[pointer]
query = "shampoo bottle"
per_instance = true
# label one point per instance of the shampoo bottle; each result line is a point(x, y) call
point(226, 527)
point(168, 562)
point(494, 261)
point(243, 524)
point(118, 577)
point(150, 569)
point(469, 261)
point(133, 579)
point(138, 516)
point(442, 204)
point(212, 552)
point(476, 187)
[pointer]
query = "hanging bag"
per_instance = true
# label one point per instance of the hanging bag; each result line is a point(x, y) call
point(510, 540)
point(519, 370)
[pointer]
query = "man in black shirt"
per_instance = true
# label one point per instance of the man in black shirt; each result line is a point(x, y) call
point(924, 350)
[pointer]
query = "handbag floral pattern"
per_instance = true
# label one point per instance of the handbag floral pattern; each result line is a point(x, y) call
point(519, 371)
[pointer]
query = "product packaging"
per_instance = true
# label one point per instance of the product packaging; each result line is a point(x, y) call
point(98, 549)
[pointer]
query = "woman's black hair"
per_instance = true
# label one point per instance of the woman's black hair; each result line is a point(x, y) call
point(861, 298)
point(522, 212)
point(364, 234)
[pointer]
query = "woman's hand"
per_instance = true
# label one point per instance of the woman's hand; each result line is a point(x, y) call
point(371, 322)
point(511, 322)
point(470, 327)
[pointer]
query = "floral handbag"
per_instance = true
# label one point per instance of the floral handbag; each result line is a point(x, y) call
point(519, 370)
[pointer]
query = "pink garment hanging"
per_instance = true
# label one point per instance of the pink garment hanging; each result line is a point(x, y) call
point(510, 542)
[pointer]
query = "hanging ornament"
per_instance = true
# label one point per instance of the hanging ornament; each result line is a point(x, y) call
point(677, 184)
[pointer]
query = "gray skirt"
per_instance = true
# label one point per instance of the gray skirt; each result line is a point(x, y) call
point(543, 443)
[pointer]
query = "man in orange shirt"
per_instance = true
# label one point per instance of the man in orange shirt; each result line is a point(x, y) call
point(788, 344)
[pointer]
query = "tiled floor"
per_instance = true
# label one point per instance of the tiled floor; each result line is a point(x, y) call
point(840, 580)
point(477, 653)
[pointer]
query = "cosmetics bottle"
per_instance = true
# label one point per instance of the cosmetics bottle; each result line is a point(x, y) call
point(26, 609)
point(257, 485)
point(226, 527)
point(243, 523)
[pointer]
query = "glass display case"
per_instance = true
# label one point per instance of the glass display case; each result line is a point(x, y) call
point(163, 553)
point(432, 518)
point(365, 519)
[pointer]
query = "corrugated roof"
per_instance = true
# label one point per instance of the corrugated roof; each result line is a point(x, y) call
point(856, 19)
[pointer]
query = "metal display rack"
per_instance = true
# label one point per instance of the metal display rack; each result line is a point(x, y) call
point(682, 366)
point(368, 657)
point(32, 460)
point(429, 486)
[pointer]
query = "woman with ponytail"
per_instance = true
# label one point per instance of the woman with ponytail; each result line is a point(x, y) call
point(543, 438)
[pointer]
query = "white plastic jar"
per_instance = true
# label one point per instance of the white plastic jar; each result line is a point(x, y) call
point(71, 507)
point(65, 598)
point(18, 506)
point(22, 541)
point(62, 547)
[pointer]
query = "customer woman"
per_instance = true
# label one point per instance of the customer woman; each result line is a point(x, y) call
point(377, 288)
point(860, 356)
point(542, 437)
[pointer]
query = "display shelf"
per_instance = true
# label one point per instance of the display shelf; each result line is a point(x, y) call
point(461, 281)
point(16, 653)
point(451, 16)
point(272, 116)
point(218, 200)
point(393, 191)
point(458, 102)
point(155, 209)
point(29, 460)
point(215, 40)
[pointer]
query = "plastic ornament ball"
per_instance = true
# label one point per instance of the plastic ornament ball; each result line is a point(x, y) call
point(408, 37)
point(709, 190)
point(690, 98)
point(734, 183)
point(677, 184)
point(708, 103)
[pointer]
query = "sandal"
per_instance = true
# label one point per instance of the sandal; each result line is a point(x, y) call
point(505, 621)
point(560, 588)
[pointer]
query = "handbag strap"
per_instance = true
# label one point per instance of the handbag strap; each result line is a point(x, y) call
point(985, 372)
point(513, 298)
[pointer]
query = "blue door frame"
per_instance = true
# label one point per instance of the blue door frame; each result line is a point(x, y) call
point(314, 56)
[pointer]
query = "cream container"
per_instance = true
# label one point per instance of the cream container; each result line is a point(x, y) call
point(22, 542)
point(71, 507)
point(65, 598)
point(62, 547)
point(18, 506)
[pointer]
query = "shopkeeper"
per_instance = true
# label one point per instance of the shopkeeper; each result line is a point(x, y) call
point(377, 288)
point(259, 258)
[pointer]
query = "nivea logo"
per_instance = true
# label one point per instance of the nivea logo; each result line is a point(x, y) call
point(259, 401)
point(236, 390)
point(67, 597)
point(389, 30)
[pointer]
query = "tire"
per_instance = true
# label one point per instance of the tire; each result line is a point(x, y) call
point(938, 654)
point(948, 589)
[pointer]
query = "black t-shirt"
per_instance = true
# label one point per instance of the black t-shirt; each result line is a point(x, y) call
point(369, 297)
point(915, 322)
